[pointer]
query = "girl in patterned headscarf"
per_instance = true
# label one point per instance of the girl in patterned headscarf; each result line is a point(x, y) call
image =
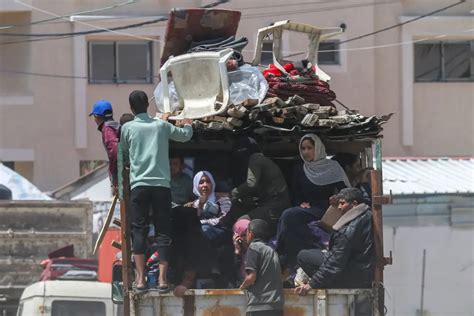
point(210, 208)
point(315, 180)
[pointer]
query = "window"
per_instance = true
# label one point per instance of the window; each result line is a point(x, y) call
point(267, 53)
point(78, 308)
point(23, 168)
point(444, 61)
point(328, 53)
point(120, 62)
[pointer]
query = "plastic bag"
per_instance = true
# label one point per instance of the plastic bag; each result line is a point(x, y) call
point(173, 96)
point(247, 83)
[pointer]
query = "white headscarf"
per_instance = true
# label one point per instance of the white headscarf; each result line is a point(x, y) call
point(322, 171)
point(197, 178)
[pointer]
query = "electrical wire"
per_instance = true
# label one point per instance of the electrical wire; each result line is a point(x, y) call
point(108, 18)
point(289, 4)
point(66, 35)
point(428, 38)
point(7, 27)
point(348, 49)
point(98, 28)
point(404, 23)
point(46, 36)
point(322, 51)
point(349, 6)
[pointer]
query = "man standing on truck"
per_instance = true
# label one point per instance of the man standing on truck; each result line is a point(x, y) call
point(103, 117)
point(145, 144)
point(350, 260)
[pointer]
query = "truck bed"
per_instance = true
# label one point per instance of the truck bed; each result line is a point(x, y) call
point(331, 302)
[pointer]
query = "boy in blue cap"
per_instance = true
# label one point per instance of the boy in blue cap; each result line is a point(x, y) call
point(103, 117)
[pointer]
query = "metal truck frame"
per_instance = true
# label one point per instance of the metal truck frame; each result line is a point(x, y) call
point(327, 302)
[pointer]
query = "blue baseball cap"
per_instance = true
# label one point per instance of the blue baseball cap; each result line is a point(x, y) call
point(100, 107)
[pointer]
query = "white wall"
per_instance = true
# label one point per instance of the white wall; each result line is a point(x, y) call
point(449, 270)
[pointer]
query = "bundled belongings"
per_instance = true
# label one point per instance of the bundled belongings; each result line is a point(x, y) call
point(187, 28)
point(218, 44)
point(204, 78)
point(302, 81)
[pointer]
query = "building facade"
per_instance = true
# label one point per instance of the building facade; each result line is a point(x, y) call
point(422, 71)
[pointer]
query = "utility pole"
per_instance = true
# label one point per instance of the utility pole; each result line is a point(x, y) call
point(423, 283)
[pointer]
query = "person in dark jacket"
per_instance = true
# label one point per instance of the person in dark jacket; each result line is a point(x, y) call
point(264, 182)
point(315, 180)
point(103, 117)
point(350, 259)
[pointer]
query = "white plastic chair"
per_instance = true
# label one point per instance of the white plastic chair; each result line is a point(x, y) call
point(201, 83)
point(315, 35)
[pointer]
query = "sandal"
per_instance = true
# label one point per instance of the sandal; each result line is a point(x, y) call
point(141, 288)
point(164, 288)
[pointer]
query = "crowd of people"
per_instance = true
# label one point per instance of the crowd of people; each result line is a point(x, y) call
point(261, 234)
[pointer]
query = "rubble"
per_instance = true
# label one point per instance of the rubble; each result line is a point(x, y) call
point(237, 111)
point(249, 103)
point(235, 121)
point(310, 120)
point(284, 115)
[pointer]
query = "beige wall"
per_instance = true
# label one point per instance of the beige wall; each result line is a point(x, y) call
point(44, 120)
point(444, 119)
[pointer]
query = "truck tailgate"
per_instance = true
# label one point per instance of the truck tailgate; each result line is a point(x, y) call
point(332, 302)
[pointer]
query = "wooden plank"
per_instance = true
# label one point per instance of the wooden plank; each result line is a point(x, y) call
point(106, 225)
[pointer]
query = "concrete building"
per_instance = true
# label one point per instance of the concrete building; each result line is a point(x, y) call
point(429, 229)
point(48, 85)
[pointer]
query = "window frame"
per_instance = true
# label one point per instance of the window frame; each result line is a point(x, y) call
point(116, 79)
point(337, 52)
point(442, 77)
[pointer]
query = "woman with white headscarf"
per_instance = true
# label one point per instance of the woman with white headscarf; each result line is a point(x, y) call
point(210, 207)
point(315, 180)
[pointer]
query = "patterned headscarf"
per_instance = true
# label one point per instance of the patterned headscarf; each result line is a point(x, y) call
point(197, 178)
point(322, 171)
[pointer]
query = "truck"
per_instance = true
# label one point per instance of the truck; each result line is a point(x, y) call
point(70, 298)
point(29, 230)
point(283, 149)
point(278, 121)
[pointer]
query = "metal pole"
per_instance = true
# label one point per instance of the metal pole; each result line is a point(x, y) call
point(377, 192)
point(423, 282)
point(126, 248)
point(377, 221)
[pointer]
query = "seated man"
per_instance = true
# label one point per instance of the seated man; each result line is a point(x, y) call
point(350, 259)
point(181, 183)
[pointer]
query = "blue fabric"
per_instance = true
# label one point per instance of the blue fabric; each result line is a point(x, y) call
point(100, 107)
point(216, 235)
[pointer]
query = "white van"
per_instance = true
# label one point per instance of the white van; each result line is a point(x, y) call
point(67, 298)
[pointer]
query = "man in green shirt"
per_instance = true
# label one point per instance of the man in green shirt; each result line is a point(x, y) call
point(145, 145)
